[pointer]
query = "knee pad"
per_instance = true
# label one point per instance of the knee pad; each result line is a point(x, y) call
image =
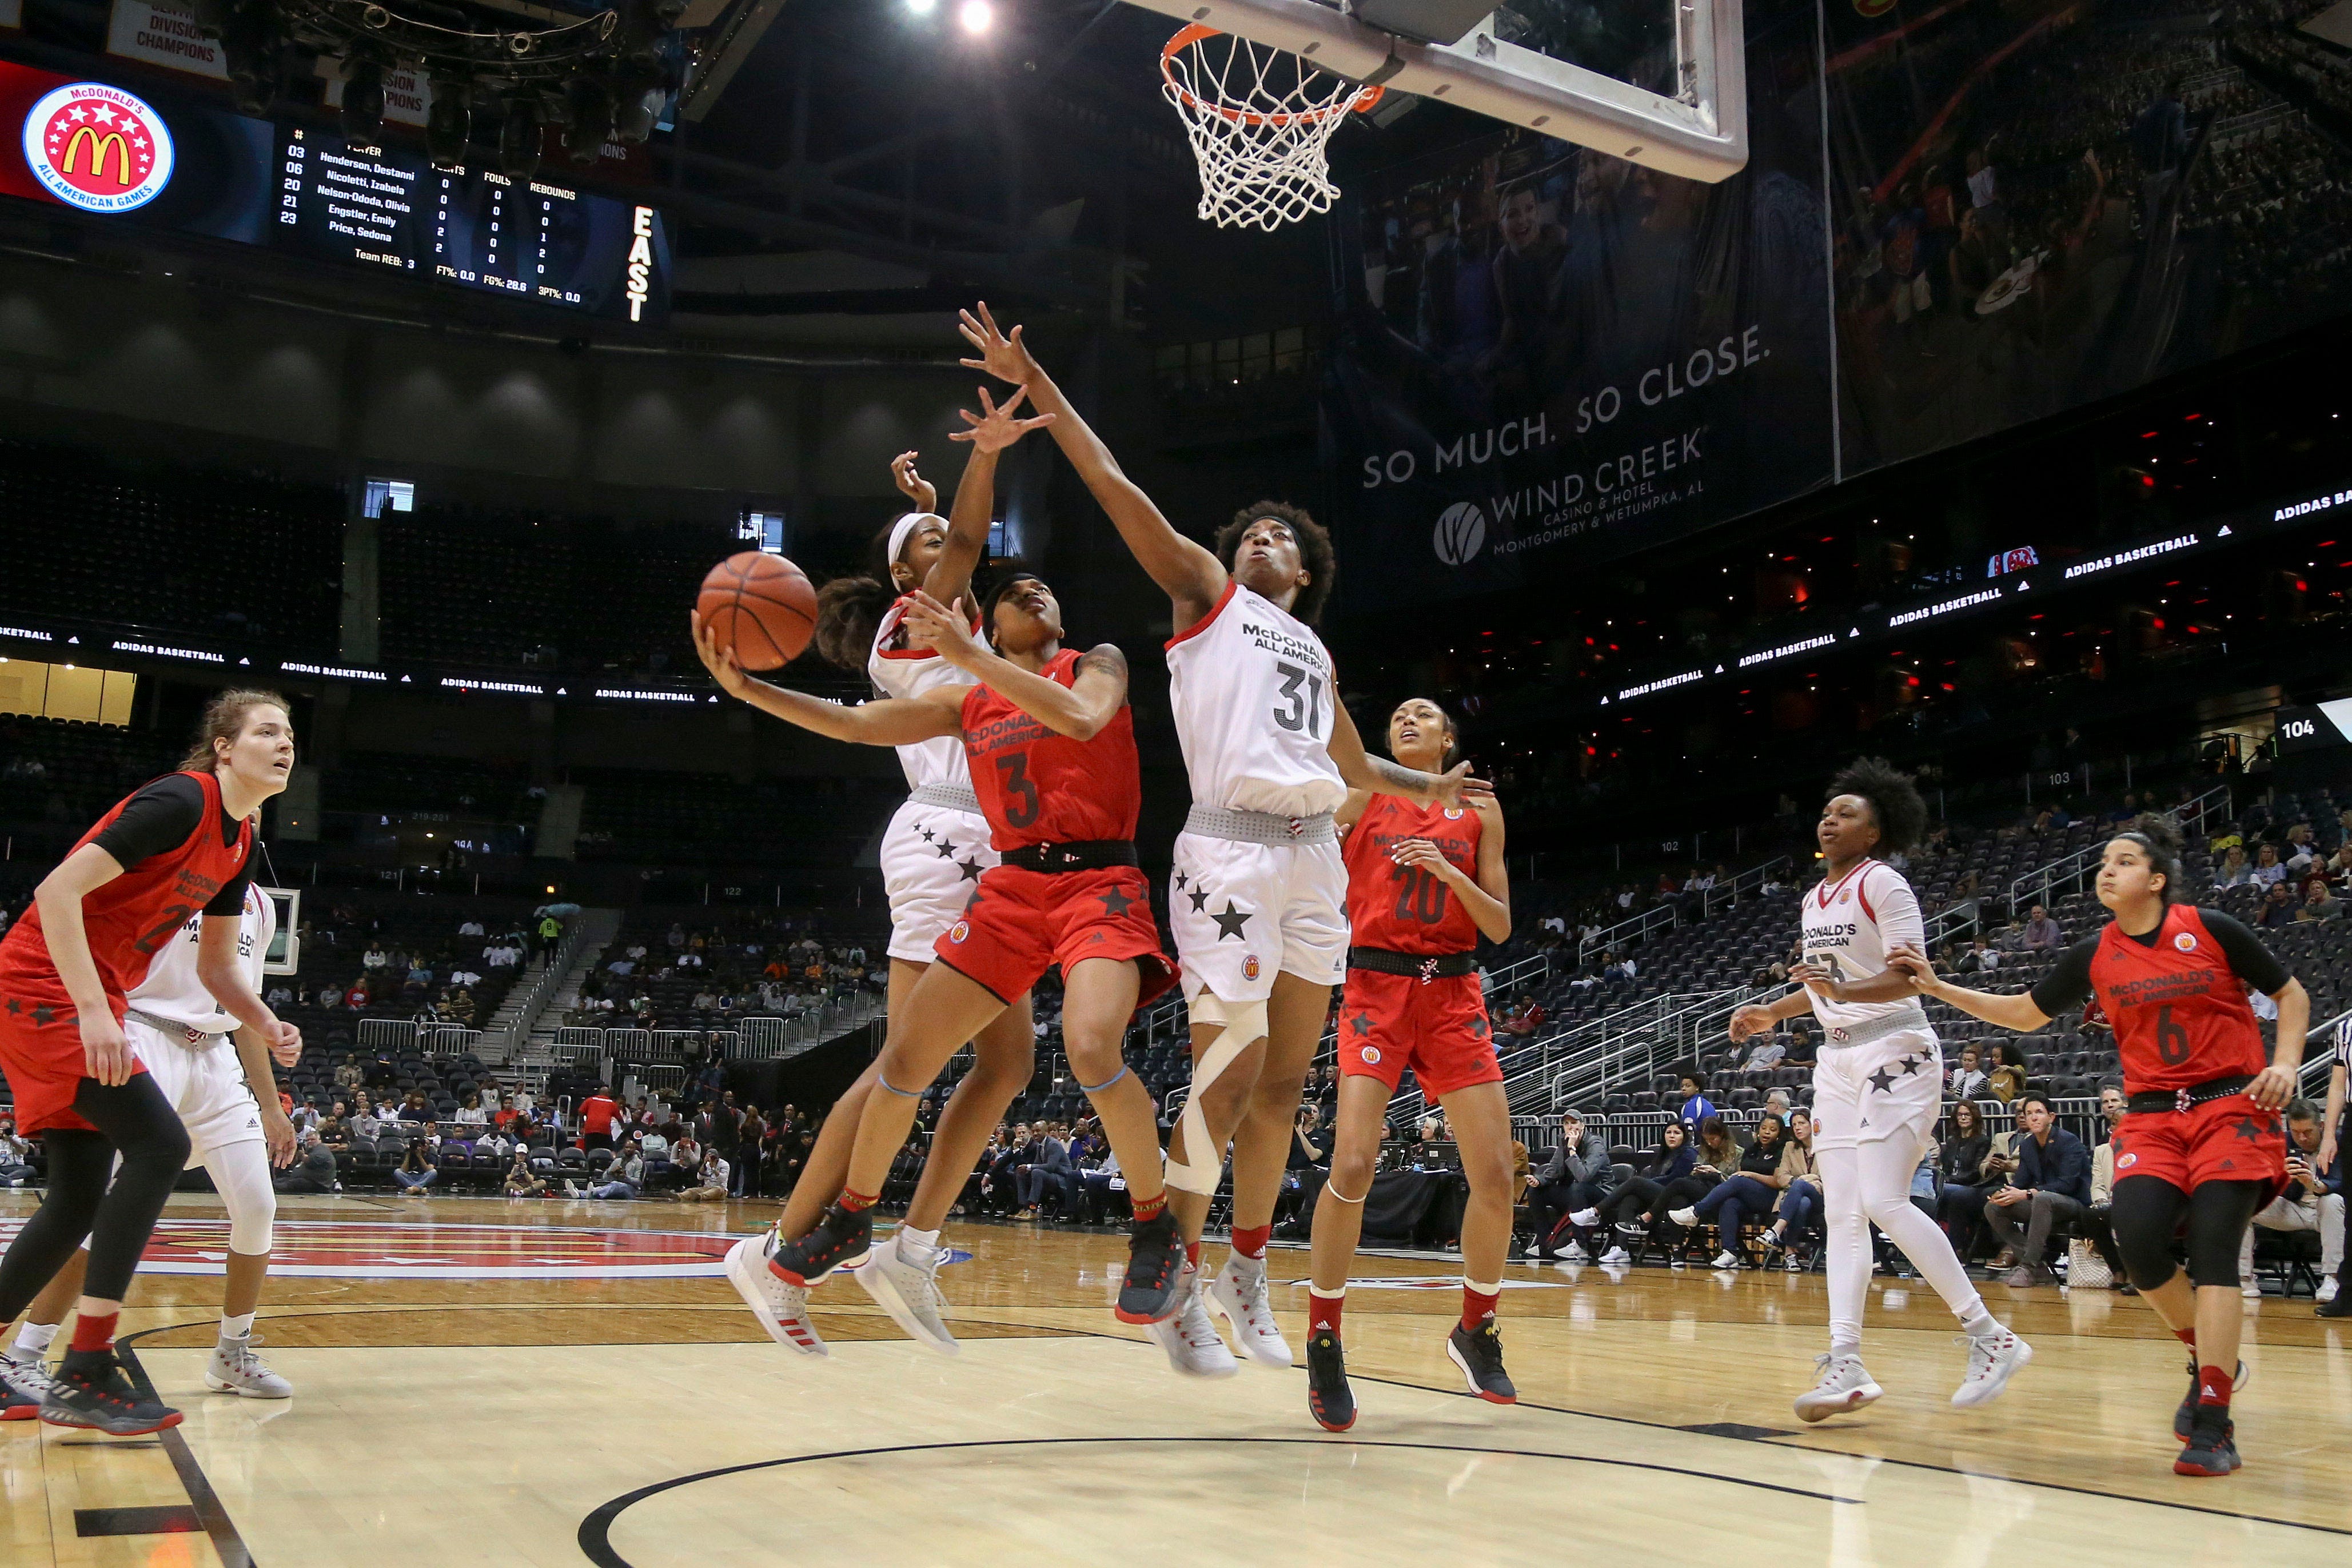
point(1242, 1025)
point(241, 1174)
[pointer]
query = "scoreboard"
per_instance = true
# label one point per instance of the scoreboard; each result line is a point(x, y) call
point(155, 159)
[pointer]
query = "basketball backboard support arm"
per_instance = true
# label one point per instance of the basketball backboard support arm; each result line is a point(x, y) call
point(1700, 134)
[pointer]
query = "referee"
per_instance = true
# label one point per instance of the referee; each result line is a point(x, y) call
point(2339, 1304)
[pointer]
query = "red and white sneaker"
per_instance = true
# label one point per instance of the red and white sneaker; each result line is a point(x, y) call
point(781, 1309)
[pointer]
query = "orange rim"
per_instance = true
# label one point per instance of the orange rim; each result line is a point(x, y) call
point(1195, 33)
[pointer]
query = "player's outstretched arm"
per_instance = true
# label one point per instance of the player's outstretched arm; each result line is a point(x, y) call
point(990, 432)
point(1378, 776)
point(1079, 709)
point(1889, 985)
point(893, 722)
point(1192, 578)
point(2017, 1011)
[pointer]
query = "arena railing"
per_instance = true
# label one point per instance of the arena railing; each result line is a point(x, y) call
point(2068, 870)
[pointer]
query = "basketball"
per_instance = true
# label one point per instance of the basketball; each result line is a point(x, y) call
point(760, 606)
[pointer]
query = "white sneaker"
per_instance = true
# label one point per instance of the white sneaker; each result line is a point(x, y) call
point(2328, 1289)
point(1844, 1386)
point(1685, 1217)
point(572, 1189)
point(781, 1309)
point(1616, 1255)
point(1725, 1260)
point(235, 1369)
point(24, 1385)
point(908, 1291)
point(1534, 1248)
point(2252, 1290)
point(1585, 1218)
point(1193, 1345)
point(1239, 1297)
point(1993, 1359)
point(1572, 1253)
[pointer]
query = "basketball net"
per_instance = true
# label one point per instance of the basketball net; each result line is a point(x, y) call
point(1259, 118)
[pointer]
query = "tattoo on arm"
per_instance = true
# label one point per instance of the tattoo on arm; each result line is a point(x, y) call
point(1106, 657)
point(1400, 780)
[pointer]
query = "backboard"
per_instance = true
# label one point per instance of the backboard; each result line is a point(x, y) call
point(1661, 83)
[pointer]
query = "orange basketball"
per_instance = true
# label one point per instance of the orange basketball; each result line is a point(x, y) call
point(760, 606)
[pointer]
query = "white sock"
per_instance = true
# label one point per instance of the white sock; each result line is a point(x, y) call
point(33, 1340)
point(237, 1327)
point(917, 1246)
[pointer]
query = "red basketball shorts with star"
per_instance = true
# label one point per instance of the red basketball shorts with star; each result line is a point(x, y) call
point(1438, 1027)
point(1021, 923)
point(2229, 1139)
point(41, 1054)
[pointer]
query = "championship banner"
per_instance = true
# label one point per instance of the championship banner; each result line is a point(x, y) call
point(2039, 204)
point(407, 91)
point(1549, 355)
point(163, 33)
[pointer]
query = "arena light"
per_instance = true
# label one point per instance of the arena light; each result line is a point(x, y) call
point(977, 17)
point(922, 7)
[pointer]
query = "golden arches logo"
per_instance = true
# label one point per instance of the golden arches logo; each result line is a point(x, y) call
point(113, 142)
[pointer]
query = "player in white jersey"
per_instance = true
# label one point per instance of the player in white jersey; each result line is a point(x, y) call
point(1878, 1085)
point(205, 1063)
point(1259, 899)
point(932, 854)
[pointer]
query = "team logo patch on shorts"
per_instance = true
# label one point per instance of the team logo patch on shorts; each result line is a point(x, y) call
point(2126, 1162)
point(1371, 1056)
point(1249, 966)
point(2185, 941)
point(960, 930)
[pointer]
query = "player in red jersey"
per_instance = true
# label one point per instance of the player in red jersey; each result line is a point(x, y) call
point(1424, 883)
point(180, 847)
point(2201, 1142)
point(1051, 744)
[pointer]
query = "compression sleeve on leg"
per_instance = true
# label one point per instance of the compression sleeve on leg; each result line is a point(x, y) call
point(240, 1172)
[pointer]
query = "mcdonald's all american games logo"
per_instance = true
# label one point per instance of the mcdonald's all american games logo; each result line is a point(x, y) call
point(97, 147)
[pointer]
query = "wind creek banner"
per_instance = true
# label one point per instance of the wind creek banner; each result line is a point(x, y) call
point(1550, 354)
point(2043, 204)
point(1550, 357)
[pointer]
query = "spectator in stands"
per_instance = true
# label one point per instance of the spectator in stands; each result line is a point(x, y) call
point(1634, 1207)
point(313, 1170)
point(2050, 1187)
point(1802, 1047)
point(1982, 958)
point(418, 1169)
point(685, 1158)
point(2314, 1200)
point(1799, 1207)
point(1050, 1169)
point(2267, 868)
point(519, 1181)
point(712, 1186)
point(365, 1123)
point(622, 1178)
point(2299, 852)
point(1766, 1054)
point(16, 1154)
point(376, 958)
point(1967, 1080)
point(356, 998)
point(2233, 870)
point(2317, 904)
point(333, 1130)
point(414, 1109)
point(654, 1147)
point(1697, 1107)
point(2042, 933)
point(469, 927)
point(1747, 1193)
point(2006, 1082)
point(280, 996)
point(1959, 1176)
point(1566, 1192)
point(469, 1110)
point(596, 1115)
point(2278, 905)
point(505, 1113)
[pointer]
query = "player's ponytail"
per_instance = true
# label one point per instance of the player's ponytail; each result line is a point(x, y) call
point(225, 720)
point(2159, 837)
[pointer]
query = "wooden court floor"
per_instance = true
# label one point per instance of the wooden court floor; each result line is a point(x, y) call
point(486, 1381)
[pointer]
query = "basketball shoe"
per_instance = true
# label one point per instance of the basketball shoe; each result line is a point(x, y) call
point(2184, 1419)
point(91, 1391)
point(1844, 1386)
point(235, 1369)
point(1239, 1296)
point(908, 1291)
point(843, 1239)
point(781, 1309)
point(22, 1386)
point(1993, 1359)
point(1478, 1352)
point(1155, 1265)
point(1193, 1345)
point(2213, 1446)
point(1328, 1398)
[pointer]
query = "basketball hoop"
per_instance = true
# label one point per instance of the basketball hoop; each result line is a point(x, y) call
point(1259, 118)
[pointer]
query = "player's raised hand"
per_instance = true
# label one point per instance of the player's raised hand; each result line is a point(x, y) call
point(998, 430)
point(1457, 787)
point(944, 629)
point(918, 489)
point(719, 661)
point(1005, 358)
point(1748, 1020)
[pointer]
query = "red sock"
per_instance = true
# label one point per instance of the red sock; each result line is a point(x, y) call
point(851, 1202)
point(2186, 1337)
point(1323, 1312)
point(1249, 1241)
point(1477, 1306)
point(2212, 1386)
point(1148, 1209)
point(94, 1334)
point(1193, 1253)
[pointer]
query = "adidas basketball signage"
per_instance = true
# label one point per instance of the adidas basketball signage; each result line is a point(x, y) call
point(1461, 533)
point(97, 147)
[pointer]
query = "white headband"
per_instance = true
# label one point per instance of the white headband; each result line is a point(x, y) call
point(904, 528)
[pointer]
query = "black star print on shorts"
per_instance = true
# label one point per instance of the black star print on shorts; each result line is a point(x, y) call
point(1115, 902)
point(1882, 1079)
point(1359, 1026)
point(1230, 922)
point(947, 849)
point(971, 869)
point(1200, 897)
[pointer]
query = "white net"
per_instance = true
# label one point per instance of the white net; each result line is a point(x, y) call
point(1259, 120)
